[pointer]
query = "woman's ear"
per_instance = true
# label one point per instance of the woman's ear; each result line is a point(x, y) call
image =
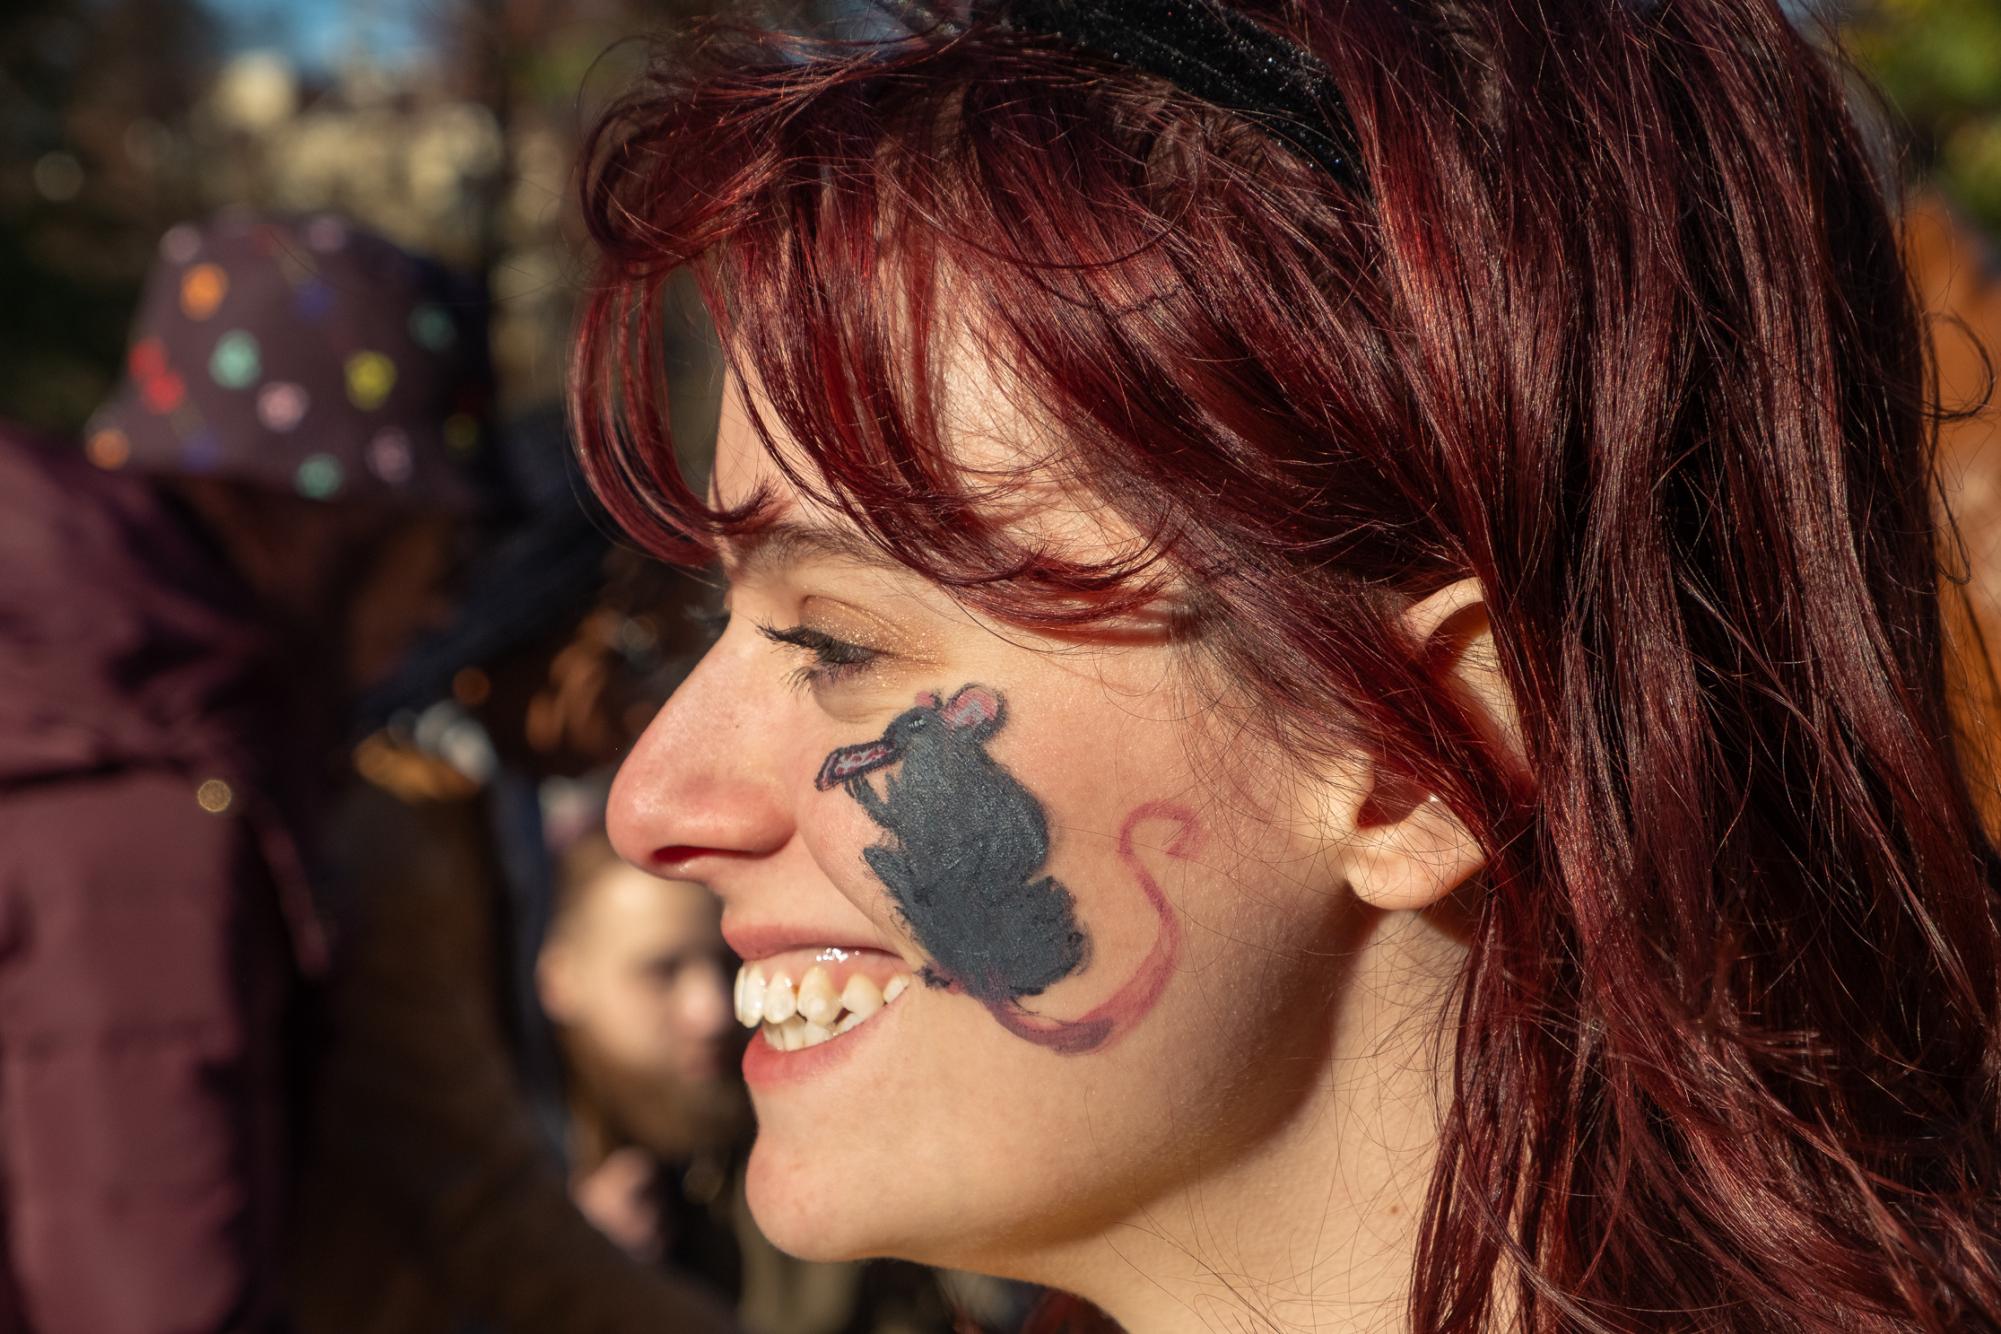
point(555, 981)
point(1404, 849)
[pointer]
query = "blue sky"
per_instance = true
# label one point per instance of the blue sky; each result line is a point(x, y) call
point(319, 32)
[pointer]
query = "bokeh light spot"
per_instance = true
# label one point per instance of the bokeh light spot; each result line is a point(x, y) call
point(108, 448)
point(235, 363)
point(281, 406)
point(148, 358)
point(314, 299)
point(180, 244)
point(370, 377)
point(202, 290)
point(319, 477)
point(202, 452)
point(163, 392)
point(433, 327)
point(389, 456)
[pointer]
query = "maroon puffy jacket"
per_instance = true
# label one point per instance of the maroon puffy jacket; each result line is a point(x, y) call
point(153, 918)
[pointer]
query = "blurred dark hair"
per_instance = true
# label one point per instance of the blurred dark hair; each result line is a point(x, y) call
point(1621, 330)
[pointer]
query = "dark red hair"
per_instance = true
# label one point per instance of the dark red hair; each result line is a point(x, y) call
point(1620, 328)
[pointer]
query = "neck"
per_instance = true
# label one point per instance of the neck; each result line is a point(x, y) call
point(1317, 1228)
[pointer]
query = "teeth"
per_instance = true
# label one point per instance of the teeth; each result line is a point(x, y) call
point(779, 1003)
point(860, 998)
point(817, 1000)
point(750, 1009)
point(792, 1019)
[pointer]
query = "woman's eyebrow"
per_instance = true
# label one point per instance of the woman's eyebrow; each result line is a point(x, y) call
point(778, 546)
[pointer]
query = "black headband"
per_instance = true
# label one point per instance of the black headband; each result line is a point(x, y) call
point(1216, 54)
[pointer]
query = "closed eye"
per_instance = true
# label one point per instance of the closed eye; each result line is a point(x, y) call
point(833, 660)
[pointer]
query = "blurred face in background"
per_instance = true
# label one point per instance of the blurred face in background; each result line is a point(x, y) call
point(637, 976)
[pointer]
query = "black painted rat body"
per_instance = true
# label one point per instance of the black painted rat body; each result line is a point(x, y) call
point(966, 850)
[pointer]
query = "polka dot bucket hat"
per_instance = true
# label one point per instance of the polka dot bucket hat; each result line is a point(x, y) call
point(305, 355)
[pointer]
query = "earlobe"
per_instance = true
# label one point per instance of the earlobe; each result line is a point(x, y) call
point(1402, 862)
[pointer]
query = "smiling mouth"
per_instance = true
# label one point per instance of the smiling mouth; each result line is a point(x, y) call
point(823, 1005)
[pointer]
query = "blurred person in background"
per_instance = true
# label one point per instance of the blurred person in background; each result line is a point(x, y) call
point(435, 1197)
point(258, 523)
point(636, 977)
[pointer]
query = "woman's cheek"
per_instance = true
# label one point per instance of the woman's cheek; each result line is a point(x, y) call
point(1067, 942)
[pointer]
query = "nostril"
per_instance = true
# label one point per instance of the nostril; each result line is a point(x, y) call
point(669, 860)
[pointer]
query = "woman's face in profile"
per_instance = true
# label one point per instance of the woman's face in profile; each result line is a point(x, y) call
point(1109, 926)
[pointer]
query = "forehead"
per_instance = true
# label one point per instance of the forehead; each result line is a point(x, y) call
point(625, 905)
point(1020, 469)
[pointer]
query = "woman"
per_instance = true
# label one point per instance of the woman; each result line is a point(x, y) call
point(1332, 714)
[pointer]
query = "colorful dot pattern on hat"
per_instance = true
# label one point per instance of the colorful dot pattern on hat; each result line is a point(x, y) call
point(164, 392)
point(236, 363)
point(389, 456)
point(147, 358)
point(433, 327)
point(282, 406)
point(320, 477)
point(108, 448)
point(181, 244)
point(370, 377)
point(306, 354)
point(202, 452)
point(313, 300)
point(202, 289)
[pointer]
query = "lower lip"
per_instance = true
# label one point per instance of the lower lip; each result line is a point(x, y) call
point(765, 1066)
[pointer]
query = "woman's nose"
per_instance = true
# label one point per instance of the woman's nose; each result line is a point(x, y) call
point(702, 782)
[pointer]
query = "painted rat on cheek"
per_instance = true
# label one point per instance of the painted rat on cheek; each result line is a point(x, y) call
point(965, 867)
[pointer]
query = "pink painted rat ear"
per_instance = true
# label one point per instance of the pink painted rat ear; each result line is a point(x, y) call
point(973, 706)
point(927, 699)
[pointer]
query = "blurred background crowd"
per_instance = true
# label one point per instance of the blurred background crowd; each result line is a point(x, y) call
point(324, 1004)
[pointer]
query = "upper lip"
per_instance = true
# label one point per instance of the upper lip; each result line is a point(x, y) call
point(760, 940)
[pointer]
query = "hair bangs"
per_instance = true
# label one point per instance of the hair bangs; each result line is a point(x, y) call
point(893, 238)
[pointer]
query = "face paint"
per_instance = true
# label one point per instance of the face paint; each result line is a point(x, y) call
point(964, 866)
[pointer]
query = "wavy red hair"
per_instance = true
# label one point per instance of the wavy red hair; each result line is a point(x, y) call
point(1620, 329)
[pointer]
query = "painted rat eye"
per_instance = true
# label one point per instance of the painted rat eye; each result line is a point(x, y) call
point(833, 660)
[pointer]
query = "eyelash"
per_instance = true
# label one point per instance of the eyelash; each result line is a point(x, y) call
point(834, 660)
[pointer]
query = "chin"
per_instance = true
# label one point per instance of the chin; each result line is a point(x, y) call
point(806, 1208)
point(820, 1205)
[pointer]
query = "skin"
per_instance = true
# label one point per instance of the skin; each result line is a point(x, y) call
point(637, 977)
point(1252, 1150)
point(965, 850)
point(640, 967)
